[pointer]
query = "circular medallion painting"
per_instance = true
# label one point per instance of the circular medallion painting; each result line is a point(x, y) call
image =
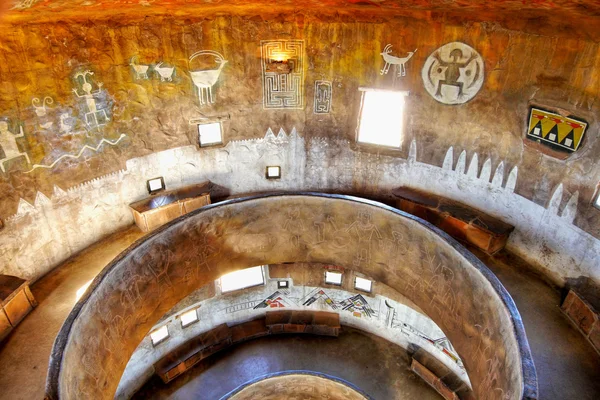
point(453, 74)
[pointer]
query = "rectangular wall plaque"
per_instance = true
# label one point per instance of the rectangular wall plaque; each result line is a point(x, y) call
point(554, 130)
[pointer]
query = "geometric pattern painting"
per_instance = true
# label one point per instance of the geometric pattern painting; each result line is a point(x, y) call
point(555, 131)
point(322, 97)
point(283, 90)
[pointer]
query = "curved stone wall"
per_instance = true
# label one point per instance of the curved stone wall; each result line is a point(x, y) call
point(396, 322)
point(459, 293)
point(43, 234)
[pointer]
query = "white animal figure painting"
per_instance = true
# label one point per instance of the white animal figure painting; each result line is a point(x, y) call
point(141, 71)
point(398, 62)
point(8, 142)
point(165, 73)
point(205, 79)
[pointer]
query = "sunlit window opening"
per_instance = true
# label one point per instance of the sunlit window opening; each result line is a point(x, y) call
point(242, 279)
point(159, 335)
point(362, 284)
point(189, 317)
point(333, 278)
point(597, 203)
point(210, 134)
point(82, 290)
point(381, 117)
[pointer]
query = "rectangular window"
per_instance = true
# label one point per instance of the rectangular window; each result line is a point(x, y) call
point(363, 284)
point(242, 279)
point(155, 185)
point(283, 284)
point(333, 278)
point(159, 335)
point(597, 202)
point(274, 172)
point(381, 116)
point(210, 134)
point(189, 317)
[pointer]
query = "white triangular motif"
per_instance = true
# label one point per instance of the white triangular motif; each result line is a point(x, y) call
point(486, 170)
point(270, 135)
point(412, 152)
point(473, 167)
point(461, 163)
point(449, 159)
point(570, 211)
point(498, 175)
point(511, 182)
point(555, 200)
point(41, 200)
point(58, 192)
point(24, 208)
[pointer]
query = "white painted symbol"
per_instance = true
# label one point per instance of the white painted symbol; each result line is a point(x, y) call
point(41, 110)
point(78, 155)
point(568, 142)
point(66, 123)
point(283, 90)
point(206, 79)
point(141, 71)
point(93, 117)
point(536, 131)
point(398, 62)
point(8, 142)
point(165, 73)
point(453, 74)
point(322, 97)
point(552, 136)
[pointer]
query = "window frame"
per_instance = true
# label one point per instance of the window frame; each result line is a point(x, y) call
point(364, 91)
point(356, 278)
point(195, 310)
point(162, 185)
point(212, 144)
point(154, 344)
point(264, 281)
point(341, 274)
point(273, 177)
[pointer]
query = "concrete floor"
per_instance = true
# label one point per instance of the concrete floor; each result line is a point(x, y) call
point(567, 365)
point(372, 364)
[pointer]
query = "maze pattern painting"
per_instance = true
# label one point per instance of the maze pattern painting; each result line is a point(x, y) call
point(283, 90)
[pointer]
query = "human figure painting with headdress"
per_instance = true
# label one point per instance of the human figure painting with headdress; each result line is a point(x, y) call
point(452, 73)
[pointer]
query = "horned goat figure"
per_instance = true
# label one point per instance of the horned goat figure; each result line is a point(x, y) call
point(165, 73)
point(206, 79)
point(141, 71)
point(399, 62)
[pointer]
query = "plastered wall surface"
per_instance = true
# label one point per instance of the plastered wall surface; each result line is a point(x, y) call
point(134, 292)
point(90, 109)
point(375, 314)
point(49, 230)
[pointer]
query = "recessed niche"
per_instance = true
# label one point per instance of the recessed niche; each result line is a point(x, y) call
point(273, 172)
point(189, 317)
point(242, 279)
point(283, 284)
point(597, 202)
point(159, 335)
point(210, 134)
point(155, 185)
point(333, 278)
point(363, 284)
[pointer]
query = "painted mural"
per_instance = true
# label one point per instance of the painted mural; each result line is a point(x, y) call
point(283, 90)
point(555, 131)
point(206, 79)
point(453, 74)
point(323, 93)
point(399, 63)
